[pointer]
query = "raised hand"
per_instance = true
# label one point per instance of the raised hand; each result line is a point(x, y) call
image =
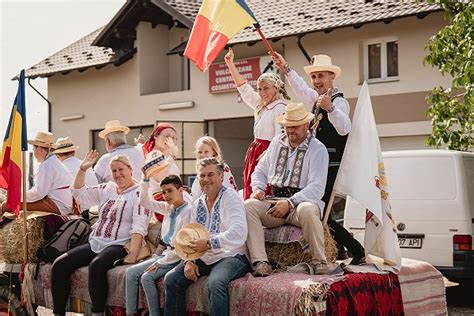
point(279, 61)
point(324, 100)
point(140, 139)
point(89, 160)
point(229, 57)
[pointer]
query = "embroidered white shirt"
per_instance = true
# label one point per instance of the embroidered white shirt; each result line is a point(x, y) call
point(134, 154)
point(168, 256)
point(226, 223)
point(229, 182)
point(120, 215)
point(265, 126)
point(53, 180)
point(73, 163)
point(339, 118)
point(313, 173)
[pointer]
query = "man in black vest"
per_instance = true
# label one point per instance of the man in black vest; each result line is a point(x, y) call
point(331, 126)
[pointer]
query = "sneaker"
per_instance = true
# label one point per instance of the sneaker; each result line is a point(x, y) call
point(321, 268)
point(301, 267)
point(262, 269)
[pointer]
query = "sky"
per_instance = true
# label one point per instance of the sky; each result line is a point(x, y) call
point(31, 31)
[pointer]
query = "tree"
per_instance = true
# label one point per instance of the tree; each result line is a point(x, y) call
point(452, 51)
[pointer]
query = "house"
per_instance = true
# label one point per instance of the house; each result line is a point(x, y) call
point(133, 70)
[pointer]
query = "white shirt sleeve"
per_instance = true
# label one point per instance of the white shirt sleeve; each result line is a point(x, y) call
point(229, 181)
point(149, 203)
point(236, 233)
point(140, 220)
point(100, 169)
point(43, 184)
point(249, 95)
point(303, 92)
point(339, 118)
point(89, 195)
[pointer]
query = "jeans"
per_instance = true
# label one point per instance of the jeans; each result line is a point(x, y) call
point(137, 273)
point(220, 274)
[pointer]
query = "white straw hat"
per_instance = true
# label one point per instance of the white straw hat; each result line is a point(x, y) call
point(322, 63)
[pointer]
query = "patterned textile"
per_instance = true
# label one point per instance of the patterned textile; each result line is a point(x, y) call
point(285, 234)
point(422, 286)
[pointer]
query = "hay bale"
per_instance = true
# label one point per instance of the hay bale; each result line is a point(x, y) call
point(282, 256)
point(11, 240)
point(3, 195)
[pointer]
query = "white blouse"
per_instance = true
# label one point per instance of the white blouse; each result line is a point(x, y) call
point(134, 154)
point(229, 182)
point(265, 126)
point(169, 227)
point(120, 215)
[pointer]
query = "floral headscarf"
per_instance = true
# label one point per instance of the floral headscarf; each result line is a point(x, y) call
point(275, 81)
point(149, 145)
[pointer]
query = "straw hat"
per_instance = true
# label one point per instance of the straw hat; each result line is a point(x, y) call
point(113, 126)
point(322, 63)
point(64, 145)
point(43, 139)
point(155, 162)
point(295, 115)
point(185, 236)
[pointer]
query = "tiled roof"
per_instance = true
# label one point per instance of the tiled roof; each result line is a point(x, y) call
point(280, 18)
point(79, 55)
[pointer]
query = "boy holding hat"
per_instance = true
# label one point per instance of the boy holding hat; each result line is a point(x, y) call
point(295, 165)
point(218, 250)
point(176, 212)
point(332, 111)
point(115, 136)
point(51, 191)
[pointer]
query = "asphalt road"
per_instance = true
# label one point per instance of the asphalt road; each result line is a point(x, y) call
point(460, 300)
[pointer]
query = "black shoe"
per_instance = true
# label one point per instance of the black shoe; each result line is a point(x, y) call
point(356, 261)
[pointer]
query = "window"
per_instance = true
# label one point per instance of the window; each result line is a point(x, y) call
point(381, 60)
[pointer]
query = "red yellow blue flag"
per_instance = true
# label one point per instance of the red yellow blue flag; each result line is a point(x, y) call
point(216, 23)
point(14, 143)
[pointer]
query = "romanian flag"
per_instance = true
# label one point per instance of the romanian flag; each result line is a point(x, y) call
point(14, 143)
point(216, 23)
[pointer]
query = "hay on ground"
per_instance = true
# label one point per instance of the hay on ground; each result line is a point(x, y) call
point(11, 240)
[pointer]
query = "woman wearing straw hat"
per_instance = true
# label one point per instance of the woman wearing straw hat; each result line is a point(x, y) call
point(267, 105)
point(216, 249)
point(51, 191)
point(334, 125)
point(121, 219)
point(115, 137)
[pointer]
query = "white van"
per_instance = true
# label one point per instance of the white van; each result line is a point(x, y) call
point(432, 199)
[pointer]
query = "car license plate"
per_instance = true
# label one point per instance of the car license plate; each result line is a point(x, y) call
point(409, 242)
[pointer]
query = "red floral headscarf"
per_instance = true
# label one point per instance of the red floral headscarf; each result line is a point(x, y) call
point(149, 145)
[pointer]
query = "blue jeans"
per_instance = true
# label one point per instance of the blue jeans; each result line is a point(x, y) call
point(137, 273)
point(220, 274)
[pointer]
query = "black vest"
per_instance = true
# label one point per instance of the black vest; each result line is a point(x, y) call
point(326, 133)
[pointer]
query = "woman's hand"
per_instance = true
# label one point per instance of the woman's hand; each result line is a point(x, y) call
point(130, 258)
point(145, 176)
point(89, 160)
point(140, 139)
point(191, 271)
point(171, 147)
point(229, 57)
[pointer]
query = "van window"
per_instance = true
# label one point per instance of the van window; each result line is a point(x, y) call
point(469, 167)
point(421, 178)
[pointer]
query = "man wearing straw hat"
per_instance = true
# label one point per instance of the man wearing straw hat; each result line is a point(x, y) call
point(295, 165)
point(333, 125)
point(115, 136)
point(213, 246)
point(65, 151)
point(51, 191)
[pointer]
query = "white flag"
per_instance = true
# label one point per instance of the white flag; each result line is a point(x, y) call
point(362, 177)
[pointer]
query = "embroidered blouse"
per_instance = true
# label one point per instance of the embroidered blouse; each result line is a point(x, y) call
point(226, 223)
point(134, 154)
point(229, 182)
point(339, 117)
point(120, 215)
point(173, 221)
point(52, 180)
point(305, 168)
point(265, 126)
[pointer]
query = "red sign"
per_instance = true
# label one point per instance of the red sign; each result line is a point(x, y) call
point(220, 79)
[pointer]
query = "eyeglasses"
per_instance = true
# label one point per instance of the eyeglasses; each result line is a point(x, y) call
point(166, 136)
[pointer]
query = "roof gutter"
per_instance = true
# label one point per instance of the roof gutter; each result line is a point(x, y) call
point(302, 49)
point(44, 98)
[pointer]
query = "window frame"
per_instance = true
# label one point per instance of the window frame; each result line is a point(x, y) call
point(383, 59)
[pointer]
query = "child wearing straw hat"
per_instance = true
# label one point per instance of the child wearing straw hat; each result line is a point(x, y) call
point(176, 212)
point(267, 105)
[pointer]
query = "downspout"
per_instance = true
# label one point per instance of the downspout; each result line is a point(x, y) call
point(303, 50)
point(44, 98)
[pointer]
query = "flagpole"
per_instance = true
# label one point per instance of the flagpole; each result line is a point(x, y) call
point(329, 206)
point(264, 39)
point(25, 227)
